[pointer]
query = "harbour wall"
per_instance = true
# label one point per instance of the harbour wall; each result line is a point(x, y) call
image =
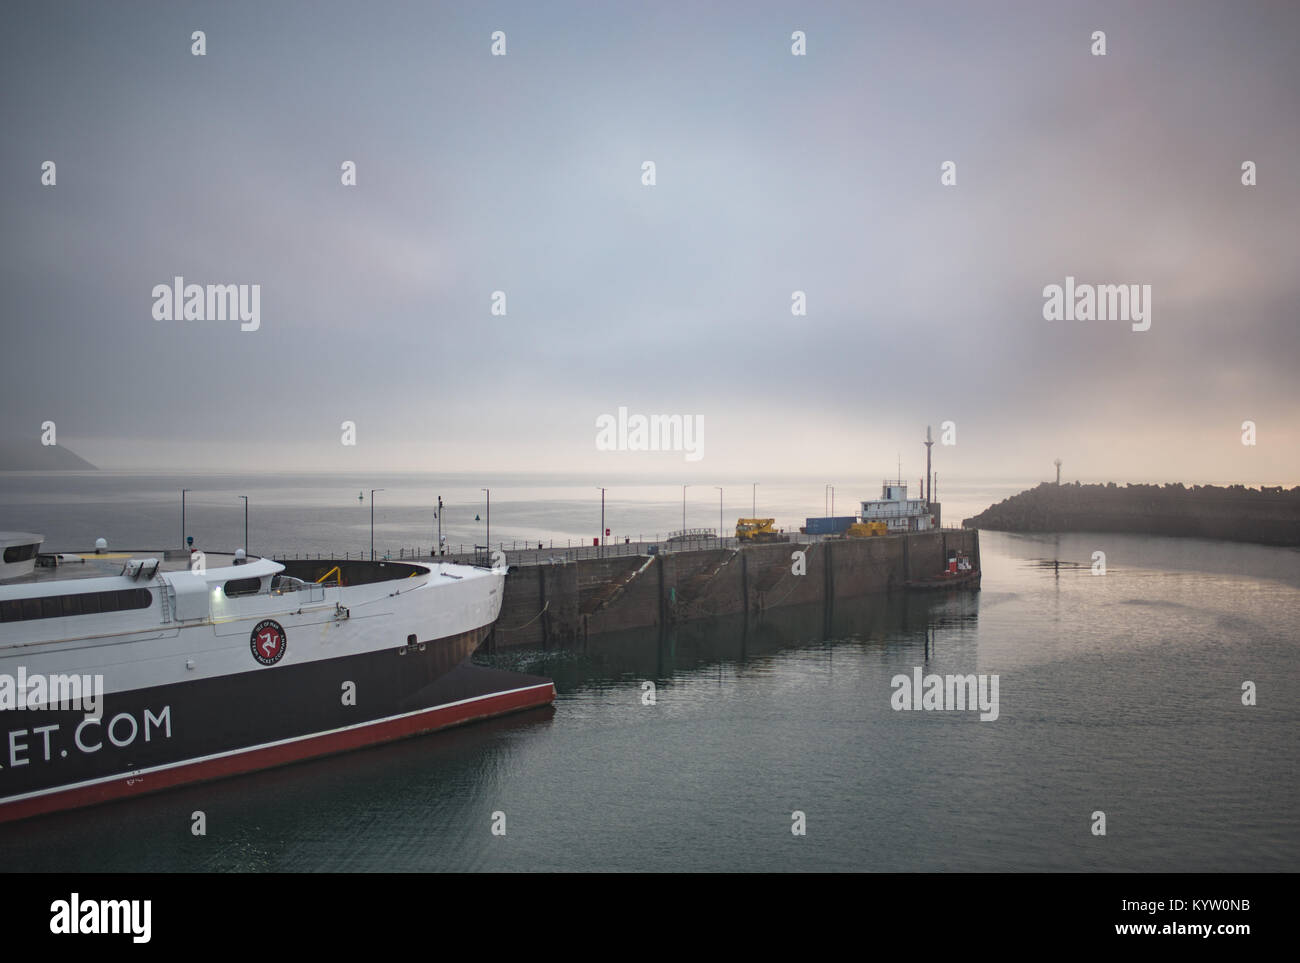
point(555, 604)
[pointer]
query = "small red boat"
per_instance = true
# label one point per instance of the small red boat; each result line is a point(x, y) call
point(960, 573)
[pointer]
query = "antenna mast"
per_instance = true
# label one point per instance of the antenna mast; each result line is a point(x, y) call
point(928, 445)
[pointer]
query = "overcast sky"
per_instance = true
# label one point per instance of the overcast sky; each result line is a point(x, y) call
point(775, 173)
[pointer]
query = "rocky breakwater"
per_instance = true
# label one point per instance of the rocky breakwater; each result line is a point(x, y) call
point(1268, 516)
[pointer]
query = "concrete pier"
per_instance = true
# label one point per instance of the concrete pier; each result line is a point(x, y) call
point(553, 604)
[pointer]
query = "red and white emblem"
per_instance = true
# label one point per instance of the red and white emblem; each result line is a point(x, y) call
point(268, 642)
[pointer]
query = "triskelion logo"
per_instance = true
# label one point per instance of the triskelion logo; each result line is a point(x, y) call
point(268, 642)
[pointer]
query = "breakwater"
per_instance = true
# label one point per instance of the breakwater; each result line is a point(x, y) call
point(556, 603)
point(1266, 516)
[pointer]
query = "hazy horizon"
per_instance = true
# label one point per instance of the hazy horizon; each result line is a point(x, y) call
point(775, 173)
point(629, 477)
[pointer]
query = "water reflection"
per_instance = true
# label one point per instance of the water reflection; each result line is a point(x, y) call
point(660, 652)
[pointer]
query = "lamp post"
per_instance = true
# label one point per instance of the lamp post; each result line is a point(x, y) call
point(489, 520)
point(183, 491)
point(719, 516)
point(602, 522)
point(372, 522)
point(437, 548)
point(245, 546)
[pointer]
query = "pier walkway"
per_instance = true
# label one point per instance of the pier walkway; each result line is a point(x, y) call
point(518, 553)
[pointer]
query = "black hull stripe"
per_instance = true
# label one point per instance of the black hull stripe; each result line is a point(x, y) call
point(150, 729)
point(272, 745)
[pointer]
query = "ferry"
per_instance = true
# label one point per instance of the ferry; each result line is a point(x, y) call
point(126, 673)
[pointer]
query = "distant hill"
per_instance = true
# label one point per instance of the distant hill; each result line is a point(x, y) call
point(15, 456)
point(1269, 516)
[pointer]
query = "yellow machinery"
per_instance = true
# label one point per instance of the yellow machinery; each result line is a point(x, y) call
point(758, 530)
point(866, 529)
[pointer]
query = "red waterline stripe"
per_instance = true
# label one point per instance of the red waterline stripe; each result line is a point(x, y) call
point(251, 760)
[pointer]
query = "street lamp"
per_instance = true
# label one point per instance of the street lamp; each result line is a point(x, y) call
point(245, 498)
point(489, 519)
point(183, 491)
point(372, 521)
point(602, 522)
point(437, 549)
point(719, 516)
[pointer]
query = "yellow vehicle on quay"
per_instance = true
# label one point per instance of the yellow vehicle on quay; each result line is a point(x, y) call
point(759, 530)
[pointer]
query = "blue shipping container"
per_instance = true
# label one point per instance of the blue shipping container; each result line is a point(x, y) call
point(833, 525)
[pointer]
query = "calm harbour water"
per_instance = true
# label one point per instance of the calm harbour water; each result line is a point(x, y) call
point(1119, 693)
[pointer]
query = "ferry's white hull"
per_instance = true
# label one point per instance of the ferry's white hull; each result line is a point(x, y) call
point(263, 679)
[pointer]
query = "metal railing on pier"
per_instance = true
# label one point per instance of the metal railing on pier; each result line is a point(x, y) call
point(548, 553)
point(535, 553)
